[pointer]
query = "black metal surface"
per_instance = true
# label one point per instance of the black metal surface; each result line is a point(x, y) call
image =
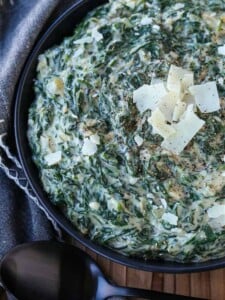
point(62, 27)
point(49, 270)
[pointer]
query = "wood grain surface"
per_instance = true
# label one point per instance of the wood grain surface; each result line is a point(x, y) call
point(206, 285)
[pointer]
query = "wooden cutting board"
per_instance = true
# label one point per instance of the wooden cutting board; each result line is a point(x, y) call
point(207, 285)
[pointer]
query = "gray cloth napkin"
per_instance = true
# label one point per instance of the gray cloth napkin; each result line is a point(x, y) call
point(22, 218)
point(21, 22)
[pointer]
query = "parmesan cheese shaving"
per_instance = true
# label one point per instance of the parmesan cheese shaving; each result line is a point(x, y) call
point(164, 203)
point(95, 139)
point(97, 36)
point(188, 80)
point(173, 107)
point(146, 21)
point(53, 158)
point(147, 96)
point(94, 205)
point(178, 6)
point(179, 79)
point(112, 204)
point(133, 180)
point(167, 105)
point(185, 130)
point(158, 122)
point(55, 86)
point(189, 99)
point(206, 96)
point(217, 223)
point(89, 148)
point(221, 50)
point(216, 211)
point(138, 140)
point(156, 80)
point(179, 110)
point(170, 218)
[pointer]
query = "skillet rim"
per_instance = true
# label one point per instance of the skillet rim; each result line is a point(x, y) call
point(35, 183)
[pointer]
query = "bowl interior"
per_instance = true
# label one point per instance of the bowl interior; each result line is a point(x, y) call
point(62, 27)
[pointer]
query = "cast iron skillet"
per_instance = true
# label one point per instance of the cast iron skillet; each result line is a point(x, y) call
point(62, 27)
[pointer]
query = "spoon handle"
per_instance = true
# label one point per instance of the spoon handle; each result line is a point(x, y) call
point(147, 294)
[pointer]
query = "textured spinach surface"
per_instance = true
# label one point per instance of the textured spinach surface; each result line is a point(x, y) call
point(84, 87)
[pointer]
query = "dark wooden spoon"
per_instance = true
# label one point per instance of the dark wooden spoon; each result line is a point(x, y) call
point(56, 271)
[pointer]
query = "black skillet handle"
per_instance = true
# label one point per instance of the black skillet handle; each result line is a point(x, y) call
point(147, 294)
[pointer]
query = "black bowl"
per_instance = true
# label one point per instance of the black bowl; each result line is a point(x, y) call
point(62, 27)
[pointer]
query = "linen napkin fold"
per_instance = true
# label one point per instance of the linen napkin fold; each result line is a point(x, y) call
point(21, 218)
point(21, 22)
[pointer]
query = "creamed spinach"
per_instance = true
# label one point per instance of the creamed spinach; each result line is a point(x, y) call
point(98, 158)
